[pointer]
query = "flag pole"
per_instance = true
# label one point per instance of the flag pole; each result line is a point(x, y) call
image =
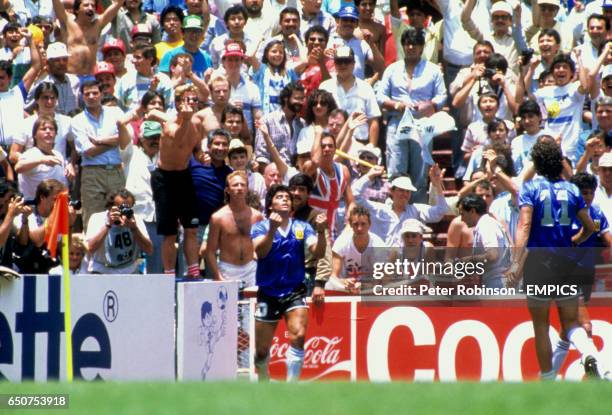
point(67, 305)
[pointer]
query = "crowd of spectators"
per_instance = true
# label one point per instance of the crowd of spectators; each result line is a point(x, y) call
point(143, 110)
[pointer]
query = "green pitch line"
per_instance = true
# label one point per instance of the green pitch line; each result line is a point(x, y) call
point(592, 398)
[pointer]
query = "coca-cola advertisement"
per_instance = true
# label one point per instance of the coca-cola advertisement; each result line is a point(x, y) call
point(327, 348)
point(350, 339)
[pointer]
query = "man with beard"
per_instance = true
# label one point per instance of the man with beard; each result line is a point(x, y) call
point(230, 234)
point(82, 33)
point(258, 24)
point(317, 271)
point(283, 126)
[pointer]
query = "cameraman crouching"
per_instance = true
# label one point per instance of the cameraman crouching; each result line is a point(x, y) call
point(116, 237)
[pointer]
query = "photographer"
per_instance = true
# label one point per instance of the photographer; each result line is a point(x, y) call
point(31, 255)
point(116, 237)
point(10, 207)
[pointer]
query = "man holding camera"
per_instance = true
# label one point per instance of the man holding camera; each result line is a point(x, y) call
point(116, 237)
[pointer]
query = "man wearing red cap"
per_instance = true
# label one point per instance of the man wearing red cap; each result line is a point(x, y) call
point(114, 53)
point(244, 93)
point(131, 16)
point(105, 75)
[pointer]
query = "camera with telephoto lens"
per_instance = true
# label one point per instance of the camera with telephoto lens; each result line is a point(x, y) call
point(526, 56)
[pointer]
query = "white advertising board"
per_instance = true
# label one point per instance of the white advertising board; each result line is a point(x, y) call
point(122, 328)
point(207, 330)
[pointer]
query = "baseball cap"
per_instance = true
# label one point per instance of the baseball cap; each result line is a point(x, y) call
point(233, 49)
point(501, 7)
point(414, 226)
point(606, 160)
point(57, 50)
point(348, 12)
point(403, 182)
point(142, 29)
point(104, 67)
point(607, 4)
point(304, 146)
point(192, 22)
point(237, 144)
point(607, 71)
point(369, 148)
point(151, 129)
point(344, 53)
point(113, 44)
point(551, 2)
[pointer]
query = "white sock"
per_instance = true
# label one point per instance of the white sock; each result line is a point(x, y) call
point(295, 360)
point(579, 338)
point(559, 355)
point(262, 368)
point(551, 375)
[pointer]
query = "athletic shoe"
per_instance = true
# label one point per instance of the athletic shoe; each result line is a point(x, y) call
point(590, 367)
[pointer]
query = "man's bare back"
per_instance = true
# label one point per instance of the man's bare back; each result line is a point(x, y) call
point(460, 239)
point(235, 244)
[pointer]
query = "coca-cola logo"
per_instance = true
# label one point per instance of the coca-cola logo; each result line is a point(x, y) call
point(319, 351)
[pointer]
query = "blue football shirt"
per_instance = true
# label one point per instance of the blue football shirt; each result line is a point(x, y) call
point(283, 269)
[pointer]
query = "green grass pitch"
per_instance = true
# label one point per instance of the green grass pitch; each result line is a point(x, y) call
point(242, 397)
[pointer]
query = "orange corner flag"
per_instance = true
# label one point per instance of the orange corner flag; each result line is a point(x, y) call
point(57, 223)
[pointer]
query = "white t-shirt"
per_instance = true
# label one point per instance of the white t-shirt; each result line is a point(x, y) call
point(521, 149)
point(356, 264)
point(119, 251)
point(11, 115)
point(28, 181)
point(360, 97)
point(64, 133)
point(489, 233)
point(563, 108)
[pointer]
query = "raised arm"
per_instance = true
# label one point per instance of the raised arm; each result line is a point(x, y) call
point(60, 12)
point(468, 23)
point(109, 14)
point(594, 85)
point(32, 74)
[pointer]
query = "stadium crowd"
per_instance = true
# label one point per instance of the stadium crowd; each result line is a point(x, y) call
point(222, 138)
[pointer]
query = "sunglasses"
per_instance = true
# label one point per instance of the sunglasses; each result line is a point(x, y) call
point(343, 61)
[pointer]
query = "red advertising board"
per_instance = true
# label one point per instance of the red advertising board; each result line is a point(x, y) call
point(487, 340)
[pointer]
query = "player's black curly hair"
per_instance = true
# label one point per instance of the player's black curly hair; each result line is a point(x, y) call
point(584, 181)
point(547, 159)
point(274, 189)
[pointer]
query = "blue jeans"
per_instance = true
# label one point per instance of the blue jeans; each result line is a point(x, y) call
point(404, 158)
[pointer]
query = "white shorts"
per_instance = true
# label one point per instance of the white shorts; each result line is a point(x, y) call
point(244, 273)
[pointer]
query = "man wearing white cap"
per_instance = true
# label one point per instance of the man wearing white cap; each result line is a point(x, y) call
point(388, 217)
point(67, 84)
point(378, 191)
point(500, 37)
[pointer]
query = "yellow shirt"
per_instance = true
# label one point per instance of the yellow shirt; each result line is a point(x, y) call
point(163, 47)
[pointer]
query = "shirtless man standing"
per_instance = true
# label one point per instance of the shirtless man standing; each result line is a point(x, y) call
point(230, 233)
point(82, 33)
point(173, 190)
